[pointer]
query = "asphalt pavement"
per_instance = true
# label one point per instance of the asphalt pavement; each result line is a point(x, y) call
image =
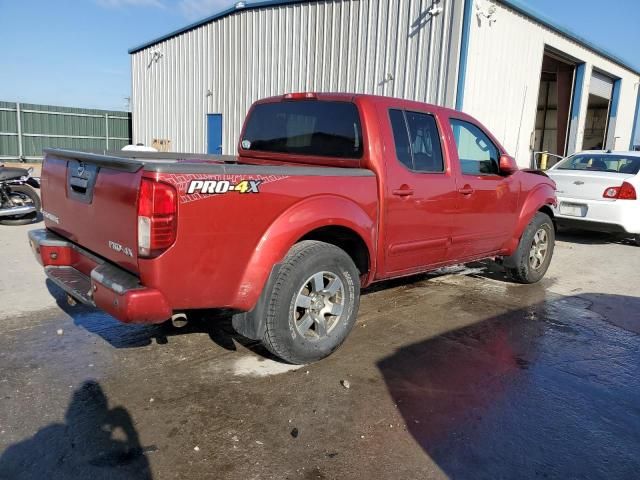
point(459, 374)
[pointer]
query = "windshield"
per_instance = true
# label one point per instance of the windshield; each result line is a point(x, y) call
point(305, 127)
point(601, 162)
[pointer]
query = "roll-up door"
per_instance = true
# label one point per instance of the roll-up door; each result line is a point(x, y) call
point(601, 85)
point(599, 128)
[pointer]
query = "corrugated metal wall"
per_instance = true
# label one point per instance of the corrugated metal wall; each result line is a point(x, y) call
point(387, 47)
point(503, 79)
point(46, 126)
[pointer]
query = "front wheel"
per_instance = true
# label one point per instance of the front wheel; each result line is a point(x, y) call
point(23, 195)
point(530, 261)
point(313, 303)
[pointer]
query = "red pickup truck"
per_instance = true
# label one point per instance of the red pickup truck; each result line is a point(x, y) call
point(328, 194)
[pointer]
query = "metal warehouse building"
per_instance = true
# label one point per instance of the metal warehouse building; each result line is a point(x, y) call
point(536, 85)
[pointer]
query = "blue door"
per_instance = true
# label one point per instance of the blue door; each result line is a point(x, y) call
point(214, 133)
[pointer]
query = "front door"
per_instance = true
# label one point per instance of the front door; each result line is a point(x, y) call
point(487, 201)
point(214, 133)
point(420, 197)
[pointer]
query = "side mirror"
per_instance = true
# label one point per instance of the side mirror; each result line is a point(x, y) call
point(508, 165)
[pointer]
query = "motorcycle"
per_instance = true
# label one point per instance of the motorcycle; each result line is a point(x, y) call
point(19, 202)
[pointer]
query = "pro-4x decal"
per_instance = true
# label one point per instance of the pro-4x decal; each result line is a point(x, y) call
point(223, 186)
point(199, 186)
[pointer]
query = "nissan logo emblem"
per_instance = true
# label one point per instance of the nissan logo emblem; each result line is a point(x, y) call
point(80, 170)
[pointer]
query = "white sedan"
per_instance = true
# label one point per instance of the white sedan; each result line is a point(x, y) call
point(599, 191)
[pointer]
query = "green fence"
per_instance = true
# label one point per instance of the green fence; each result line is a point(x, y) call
point(25, 129)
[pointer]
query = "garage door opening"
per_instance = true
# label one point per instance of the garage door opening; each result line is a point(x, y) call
point(598, 112)
point(554, 105)
point(595, 127)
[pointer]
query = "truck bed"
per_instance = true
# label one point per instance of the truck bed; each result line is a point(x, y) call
point(225, 210)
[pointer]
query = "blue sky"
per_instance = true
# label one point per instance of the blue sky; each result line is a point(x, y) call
point(74, 52)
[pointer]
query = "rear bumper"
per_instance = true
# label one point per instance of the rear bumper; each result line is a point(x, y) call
point(96, 282)
point(602, 215)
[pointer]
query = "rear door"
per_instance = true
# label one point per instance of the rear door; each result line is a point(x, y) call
point(94, 206)
point(488, 202)
point(420, 198)
point(214, 133)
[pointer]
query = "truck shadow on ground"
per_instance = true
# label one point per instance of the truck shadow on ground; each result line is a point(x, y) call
point(215, 324)
point(587, 237)
point(547, 391)
point(95, 441)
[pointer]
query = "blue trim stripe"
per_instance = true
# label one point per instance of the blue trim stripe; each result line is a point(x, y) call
point(615, 99)
point(576, 103)
point(610, 140)
point(464, 53)
point(577, 92)
point(634, 130)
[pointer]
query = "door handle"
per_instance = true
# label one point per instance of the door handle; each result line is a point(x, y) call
point(403, 192)
point(466, 190)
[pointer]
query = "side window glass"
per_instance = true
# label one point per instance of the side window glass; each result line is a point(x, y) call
point(417, 141)
point(425, 142)
point(478, 155)
point(401, 138)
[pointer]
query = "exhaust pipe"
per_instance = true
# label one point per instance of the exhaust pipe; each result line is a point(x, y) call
point(8, 212)
point(179, 320)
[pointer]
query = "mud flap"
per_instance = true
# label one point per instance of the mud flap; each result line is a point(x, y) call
point(251, 324)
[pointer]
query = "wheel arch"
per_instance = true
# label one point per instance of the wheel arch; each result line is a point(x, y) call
point(346, 239)
point(541, 199)
point(332, 219)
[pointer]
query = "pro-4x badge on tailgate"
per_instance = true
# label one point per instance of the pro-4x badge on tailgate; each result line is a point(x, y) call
point(223, 186)
point(120, 248)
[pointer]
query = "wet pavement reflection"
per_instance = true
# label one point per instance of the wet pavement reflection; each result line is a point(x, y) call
point(549, 391)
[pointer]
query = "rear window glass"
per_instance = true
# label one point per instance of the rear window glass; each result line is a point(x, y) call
point(601, 163)
point(305, 127)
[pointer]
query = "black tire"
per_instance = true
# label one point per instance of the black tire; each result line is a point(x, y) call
point(23, 191)
point(285, 320)
point(520, 267)
point(637, 239)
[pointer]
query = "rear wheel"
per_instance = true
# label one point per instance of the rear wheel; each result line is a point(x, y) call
point(313, 303)
point(23, 195)
point(531, 260)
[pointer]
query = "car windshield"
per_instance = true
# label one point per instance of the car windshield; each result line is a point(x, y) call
point(601, 162)
point(307, 127)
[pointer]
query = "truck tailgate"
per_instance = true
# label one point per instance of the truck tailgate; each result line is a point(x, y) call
point(94, 205)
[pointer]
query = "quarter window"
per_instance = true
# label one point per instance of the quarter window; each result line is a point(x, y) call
point(417, 141)
point(477, 153)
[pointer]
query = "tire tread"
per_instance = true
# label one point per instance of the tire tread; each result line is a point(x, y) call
point(296, 255)
point(520, 272)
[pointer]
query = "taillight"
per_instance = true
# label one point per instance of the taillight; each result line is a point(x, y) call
point(157, 218)
point(626, 191)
